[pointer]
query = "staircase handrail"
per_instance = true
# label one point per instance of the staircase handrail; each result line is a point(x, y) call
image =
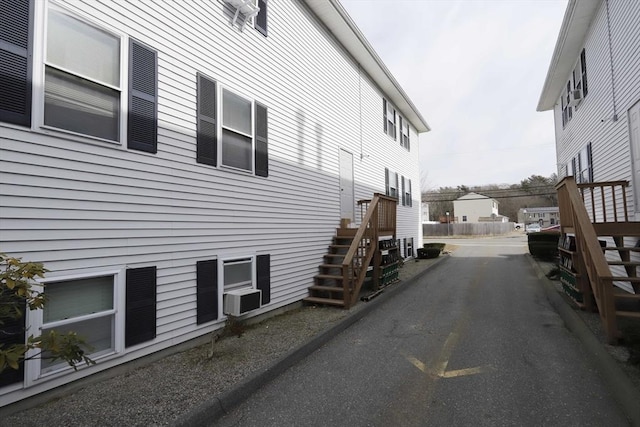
point(573, 213)
point(368, 229)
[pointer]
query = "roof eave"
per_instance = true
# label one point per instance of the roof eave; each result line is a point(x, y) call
point(337, 20)
point(575, 25)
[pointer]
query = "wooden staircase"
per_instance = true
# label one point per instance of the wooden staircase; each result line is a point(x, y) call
point(328, 288)
point(607, 248)
point(351, 252)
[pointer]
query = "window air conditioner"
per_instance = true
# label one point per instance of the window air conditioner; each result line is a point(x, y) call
point(576, 97)
point(241, 301)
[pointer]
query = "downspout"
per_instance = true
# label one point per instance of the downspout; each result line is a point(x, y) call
point(613, 82)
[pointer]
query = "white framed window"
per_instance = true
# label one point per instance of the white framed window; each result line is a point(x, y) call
point(237, 273)
point(391, 180)
point(237, 131)
point(89, 305)
point(82, 77)
point(404, 134)
point(390, 118)
point(585, 165)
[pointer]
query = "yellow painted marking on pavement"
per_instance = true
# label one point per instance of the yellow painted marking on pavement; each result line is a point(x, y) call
point(418, 364)
point(463, 372)
point(443, 361)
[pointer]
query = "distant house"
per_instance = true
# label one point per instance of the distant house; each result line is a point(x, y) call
point(545, 216)
point(474, 207)
point(159, 157)
point(593, 88)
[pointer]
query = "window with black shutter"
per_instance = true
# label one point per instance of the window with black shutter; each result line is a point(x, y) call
point(15, 61)
point(12, 333)
point(263, 277)
point(207, 137)
point(140, 312)
point(142, 132)
point(261, 18)
point(207, 291)
point(404, 200)
point(261, 138)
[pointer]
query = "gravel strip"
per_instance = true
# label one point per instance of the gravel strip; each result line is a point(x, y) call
point(158, 393)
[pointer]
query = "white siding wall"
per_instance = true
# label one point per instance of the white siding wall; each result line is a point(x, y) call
point(593, 122)
point(80, 206)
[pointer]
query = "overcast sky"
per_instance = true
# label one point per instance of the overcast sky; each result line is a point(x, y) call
point(475, 70)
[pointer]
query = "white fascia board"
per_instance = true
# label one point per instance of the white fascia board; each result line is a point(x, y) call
point(575, 25)
point(337, 20)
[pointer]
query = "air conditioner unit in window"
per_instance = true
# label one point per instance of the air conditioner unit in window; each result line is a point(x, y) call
point(576, 97)
point(241, 301)
point(246, 8)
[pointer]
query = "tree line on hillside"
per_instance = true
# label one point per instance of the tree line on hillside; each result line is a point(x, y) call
point(534, 191)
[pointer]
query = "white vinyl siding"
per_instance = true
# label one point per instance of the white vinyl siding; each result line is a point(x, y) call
point(76, 204)
point(594, 121)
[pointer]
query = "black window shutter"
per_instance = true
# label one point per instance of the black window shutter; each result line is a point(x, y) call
point(404, 247)
point(263, 275)
point(262, 141)
point(410, 201)
point(404, 200)
point(384, 114)
point(12, 333)
point(386, 181)
point(400, 127)
point(207, 291)
point(140, 313)
point(142, 134)
point(16, 41)
point(261, 18)
point(207, 137)
point(583, 68)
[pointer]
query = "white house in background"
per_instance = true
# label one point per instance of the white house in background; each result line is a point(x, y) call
point(474, 207)
point(593, 88)
point(157, 156)
point(545, 216)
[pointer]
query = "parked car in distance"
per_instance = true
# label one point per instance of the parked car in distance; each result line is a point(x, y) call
point(532, 228)
point(518, 226)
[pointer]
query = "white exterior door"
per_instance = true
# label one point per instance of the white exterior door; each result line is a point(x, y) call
point(634, 137)
point(347, 202)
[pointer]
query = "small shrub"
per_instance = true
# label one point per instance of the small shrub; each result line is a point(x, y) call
point(424, 253)
point(439, 246)
point(544, 244)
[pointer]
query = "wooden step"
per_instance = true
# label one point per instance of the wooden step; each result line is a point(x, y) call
point(625, 263)
point(332, 256)
point(339, 246)
point(626, 279)
point(346, 232)
point(633, 314)
point(621, 248)
point(324, 301)
point(330, 265)
point(321, 288)
point(328, 276)
point(626, 295)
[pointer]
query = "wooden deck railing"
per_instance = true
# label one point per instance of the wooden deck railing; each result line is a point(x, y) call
point(377, 216)
point(595, 276)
